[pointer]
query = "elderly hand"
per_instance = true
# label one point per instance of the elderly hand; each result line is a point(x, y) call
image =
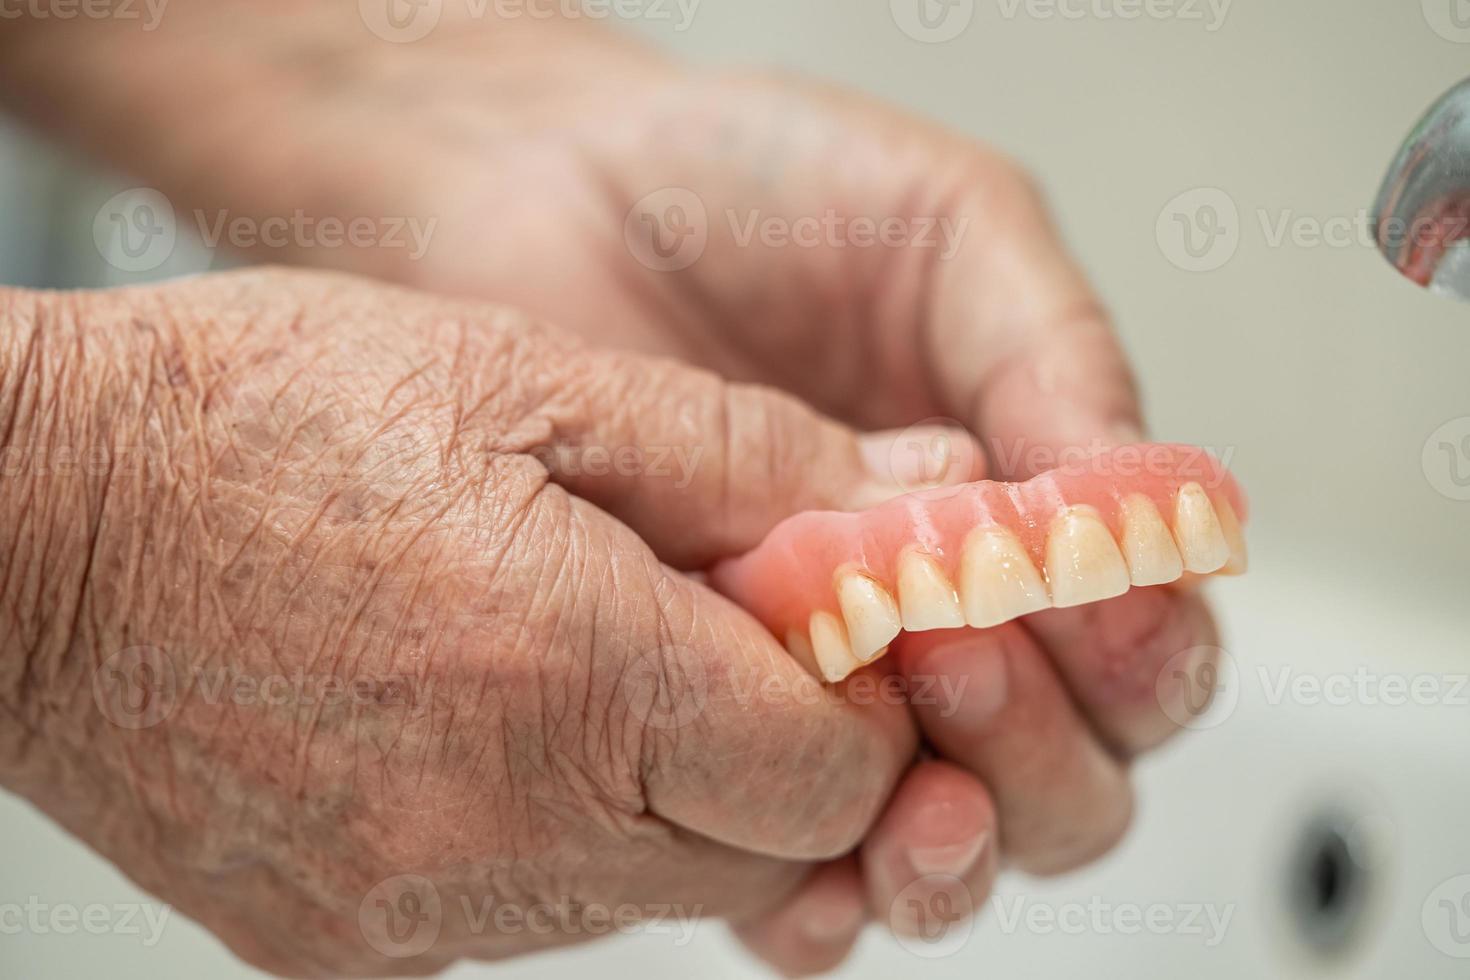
point(767, 228)
point(326, 602)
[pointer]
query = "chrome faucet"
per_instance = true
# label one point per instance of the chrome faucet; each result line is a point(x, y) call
point(1421, 219)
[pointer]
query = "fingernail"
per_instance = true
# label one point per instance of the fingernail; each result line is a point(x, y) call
point(956, 859)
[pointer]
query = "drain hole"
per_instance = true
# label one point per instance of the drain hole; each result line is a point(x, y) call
point(1328, 886)
point(1327, 876)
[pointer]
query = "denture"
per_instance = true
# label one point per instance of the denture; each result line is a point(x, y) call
point(838, 587)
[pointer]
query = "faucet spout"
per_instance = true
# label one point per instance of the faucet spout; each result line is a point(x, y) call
point(1421, 219)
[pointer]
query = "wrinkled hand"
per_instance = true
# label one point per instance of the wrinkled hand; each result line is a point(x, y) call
point(719, 219)
point(337, 611)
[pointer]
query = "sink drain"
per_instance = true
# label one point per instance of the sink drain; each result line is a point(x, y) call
point(1330, 881)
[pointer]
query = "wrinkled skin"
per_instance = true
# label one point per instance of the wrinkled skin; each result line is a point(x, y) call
point(531, 143)
point(319, 477)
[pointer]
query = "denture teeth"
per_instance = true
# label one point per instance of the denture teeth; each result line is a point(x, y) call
point(830, 647)
point(1148, 547)
point(1083, 563)
point(998, 582)
point(926, 598)
point(1197, 529)
point(871, 614)
point(1234, 537)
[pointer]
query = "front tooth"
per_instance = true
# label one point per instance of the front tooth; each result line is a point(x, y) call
point(1234, 537)
point(926, 597)
point(997, 579)
point(1148, 547)
point(1197, 529)
point(829, 645)
point(1083, 563)
point(870, 612)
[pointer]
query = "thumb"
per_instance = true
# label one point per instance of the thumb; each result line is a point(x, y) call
point(702, 468)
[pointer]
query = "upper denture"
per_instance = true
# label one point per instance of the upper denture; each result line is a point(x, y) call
point(840, 586)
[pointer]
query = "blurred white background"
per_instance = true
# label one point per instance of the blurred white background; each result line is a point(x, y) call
point(1323, 374)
